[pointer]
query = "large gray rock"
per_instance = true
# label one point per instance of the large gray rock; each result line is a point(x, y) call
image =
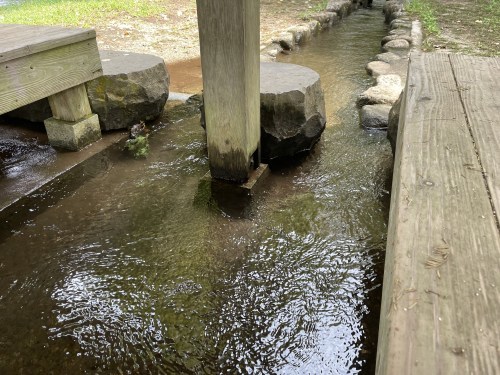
point(392, 127)
point(375, 116)
point(292, 109)
point(134, 87)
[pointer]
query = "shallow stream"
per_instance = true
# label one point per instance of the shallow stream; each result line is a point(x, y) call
point(140, 270)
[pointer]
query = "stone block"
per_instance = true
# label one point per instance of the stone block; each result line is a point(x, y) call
point(73, 135)
point(375, 116)
point(386, 91)
point(292, 109)
point(134, 87)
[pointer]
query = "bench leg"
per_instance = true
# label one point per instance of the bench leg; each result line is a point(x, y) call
point(73, 125)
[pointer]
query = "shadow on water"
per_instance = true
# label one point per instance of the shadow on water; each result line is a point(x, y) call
point(140, 270)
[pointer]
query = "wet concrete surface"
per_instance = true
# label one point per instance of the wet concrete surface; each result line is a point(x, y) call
point(28, 161)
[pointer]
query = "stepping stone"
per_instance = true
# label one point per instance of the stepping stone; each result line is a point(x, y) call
point(292, 109)
point(134, 87)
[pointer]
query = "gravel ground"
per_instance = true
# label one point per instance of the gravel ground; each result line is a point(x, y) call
point(173, 34)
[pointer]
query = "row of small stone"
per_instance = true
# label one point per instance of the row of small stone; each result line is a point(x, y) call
point(299, 34)
point(390, 67)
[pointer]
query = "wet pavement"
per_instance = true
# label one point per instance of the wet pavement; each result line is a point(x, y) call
point(28, 161)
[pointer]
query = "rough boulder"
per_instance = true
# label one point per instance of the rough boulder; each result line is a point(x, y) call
point(133, 88)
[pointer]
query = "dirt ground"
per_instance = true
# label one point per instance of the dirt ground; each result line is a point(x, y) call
point(173, 35)
point(466, 26)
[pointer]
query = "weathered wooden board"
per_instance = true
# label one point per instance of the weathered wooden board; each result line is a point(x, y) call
point(229, 45)
point(441, 292)
point(478, 80)
point(23, 40)
point(70, 105)
point(39, 75)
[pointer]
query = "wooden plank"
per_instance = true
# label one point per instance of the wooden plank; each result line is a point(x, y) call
point(71, 104)
point(441, 293)
point(478, 80)
point(30, 78)
point(23, 40)
point(229, 45)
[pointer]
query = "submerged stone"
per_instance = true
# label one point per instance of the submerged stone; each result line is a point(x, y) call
point(134, 87)
point(375, 116)
point(292, 109)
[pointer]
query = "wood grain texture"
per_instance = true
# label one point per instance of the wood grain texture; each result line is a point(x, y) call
point(23, 40)
point(478, 80)
point(33, 77)
point(71, 104)
point(229, 45)
point(441, 296)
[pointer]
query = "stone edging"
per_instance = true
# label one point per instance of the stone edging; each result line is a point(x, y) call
point(299, 34)
point(390, 67)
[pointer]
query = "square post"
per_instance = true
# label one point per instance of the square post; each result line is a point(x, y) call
point(229, 46)
point(73, 125)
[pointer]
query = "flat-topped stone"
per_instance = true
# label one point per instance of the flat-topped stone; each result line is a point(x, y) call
point(134, 87)
point(377, 68)
point(397, 46)
point(386, 91)
point(292, 109)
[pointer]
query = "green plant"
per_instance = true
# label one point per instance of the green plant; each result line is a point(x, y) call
point(75, 12)
point(138, 147)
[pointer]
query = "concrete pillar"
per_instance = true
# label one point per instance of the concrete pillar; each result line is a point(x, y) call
point(229, 46)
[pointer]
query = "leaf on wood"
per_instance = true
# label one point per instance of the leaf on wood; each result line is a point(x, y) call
point(438, 257)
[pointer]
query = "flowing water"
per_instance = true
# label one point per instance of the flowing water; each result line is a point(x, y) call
point(138, 269)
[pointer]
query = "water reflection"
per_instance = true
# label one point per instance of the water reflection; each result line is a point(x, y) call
point(137, 272)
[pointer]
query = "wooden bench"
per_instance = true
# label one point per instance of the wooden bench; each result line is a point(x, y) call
point(441, 293)
point(44, 61)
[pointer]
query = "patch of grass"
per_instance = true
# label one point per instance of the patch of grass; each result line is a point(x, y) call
point(492, 17)
point(466, 26)
point(426, 12)
point(316, 8)
point(76, 12)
